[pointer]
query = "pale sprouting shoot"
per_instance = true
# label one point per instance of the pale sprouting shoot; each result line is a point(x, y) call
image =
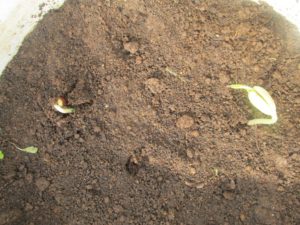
point(1, 155)
point(262, 100)
point(60, 106)
point(30, 149)
point(63, 109)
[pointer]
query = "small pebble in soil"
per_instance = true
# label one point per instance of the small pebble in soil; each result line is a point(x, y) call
point(232, 185)
point(42, 184)
point(171, 215)
point(21, 167)
point(228, 195)
point(155, 86)
point(200, 186)
point(138, 60)
point(280, 189)
point(189, 153)
point(132, 165)
point(29, 177)
point(172, 108)
point(131, 47)
point(194, 133)
point(224, 78)
point(185, 122)
point(192, 171)
point(207, 81)
point(242, 217)
point(159, 179)
point(106, 200)
point(117, 209)
point(89, 187)
point(122, 219)
point(277, 75)
point(97, 129)
point(28, 207)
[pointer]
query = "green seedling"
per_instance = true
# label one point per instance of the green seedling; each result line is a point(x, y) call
point(1, 155)
point(60, 105)
point(262, 100)
point(30, 149)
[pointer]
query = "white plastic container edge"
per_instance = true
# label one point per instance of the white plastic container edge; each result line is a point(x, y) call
point(19, 17)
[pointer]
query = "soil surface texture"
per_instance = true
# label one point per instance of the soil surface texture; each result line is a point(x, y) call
point(157, 137)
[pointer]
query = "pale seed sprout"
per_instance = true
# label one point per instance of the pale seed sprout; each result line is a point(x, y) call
point(262, 100)
point(60, 106)
point(30, 149)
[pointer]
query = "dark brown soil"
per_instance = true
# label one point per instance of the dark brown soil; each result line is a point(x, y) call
point(157, 137)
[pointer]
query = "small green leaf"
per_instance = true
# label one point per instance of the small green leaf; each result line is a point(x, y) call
point(30, 149)
point(1, 155)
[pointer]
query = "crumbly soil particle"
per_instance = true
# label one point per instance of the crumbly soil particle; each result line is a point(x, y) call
point(157, 137)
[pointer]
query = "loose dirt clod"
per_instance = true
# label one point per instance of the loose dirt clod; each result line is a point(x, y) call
point(131, 47)
point(185, 122)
